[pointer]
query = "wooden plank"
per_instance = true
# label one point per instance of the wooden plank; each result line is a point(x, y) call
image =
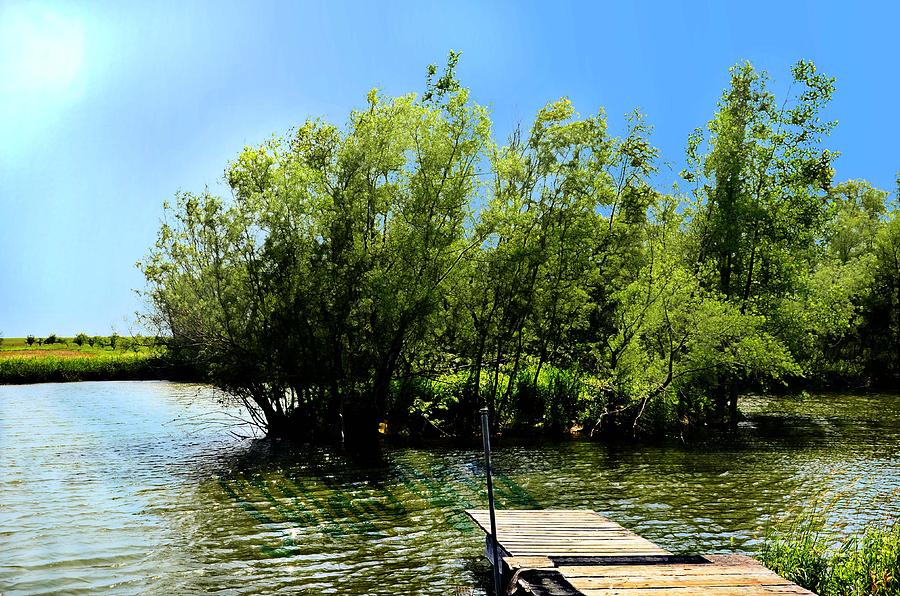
point(666, 569)
point(709, 590)
point(513, 563)
point(630, 560)
point(582, 552)
point(563, 533)
point(673, 581)
point(663, 580)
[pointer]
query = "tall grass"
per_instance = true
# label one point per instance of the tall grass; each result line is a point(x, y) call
point(112, 367)
point(868, 563)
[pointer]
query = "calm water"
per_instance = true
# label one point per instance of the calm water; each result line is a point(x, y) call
point(138, 488)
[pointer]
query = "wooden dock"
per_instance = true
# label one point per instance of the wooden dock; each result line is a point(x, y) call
point(565, 553)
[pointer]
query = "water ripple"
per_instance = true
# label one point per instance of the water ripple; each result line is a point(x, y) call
point(141, 488)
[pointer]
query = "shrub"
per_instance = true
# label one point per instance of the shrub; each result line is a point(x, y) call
point(80, 339)
point(868, 563)
point(421, 406)
point(29, 340)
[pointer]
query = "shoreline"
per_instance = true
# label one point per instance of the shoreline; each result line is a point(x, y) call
point(114, 367)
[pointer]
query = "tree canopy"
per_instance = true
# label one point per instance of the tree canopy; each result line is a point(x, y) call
point(407, 268)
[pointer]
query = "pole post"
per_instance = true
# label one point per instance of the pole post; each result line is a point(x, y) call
point(495, 550)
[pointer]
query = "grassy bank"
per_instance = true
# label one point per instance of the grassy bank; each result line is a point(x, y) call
point(63, 360)
point(51, 368)
point(868, 563)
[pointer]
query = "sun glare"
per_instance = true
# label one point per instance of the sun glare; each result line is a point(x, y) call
point(42, 51)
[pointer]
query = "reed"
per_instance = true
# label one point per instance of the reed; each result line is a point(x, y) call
point(112, 367)
point(865, 563)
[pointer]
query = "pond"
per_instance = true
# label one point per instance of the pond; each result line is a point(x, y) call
point(151, 487)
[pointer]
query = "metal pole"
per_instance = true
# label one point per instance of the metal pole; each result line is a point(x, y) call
point(495, 551)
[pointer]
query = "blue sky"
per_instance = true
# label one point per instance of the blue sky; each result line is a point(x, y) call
point(106, 109)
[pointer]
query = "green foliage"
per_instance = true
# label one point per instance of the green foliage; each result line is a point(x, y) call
point(29, 340)
point(406, 267)
point(53, 369)
point(113, 340)
point(855, 215)
point(866, 564)
point(675, 341)
point(80, 339)
point(307, 293)
point(880, 330)
point(760, 179)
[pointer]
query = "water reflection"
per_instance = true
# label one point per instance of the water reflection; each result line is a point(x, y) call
point(137, 487)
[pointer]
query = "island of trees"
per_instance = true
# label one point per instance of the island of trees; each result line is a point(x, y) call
point(405, 269)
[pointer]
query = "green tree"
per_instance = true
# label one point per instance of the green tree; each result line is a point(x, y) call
point(857, 209)
point(880, 330)
point(305, 294)
point(542, 202)
point(821, 320)
point(760, 177)
point(29, 340)
point(672, 339)
point(405, 264)
point(564, 202)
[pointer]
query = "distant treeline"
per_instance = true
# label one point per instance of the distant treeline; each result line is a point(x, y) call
point(113, 341)
point(408, 268)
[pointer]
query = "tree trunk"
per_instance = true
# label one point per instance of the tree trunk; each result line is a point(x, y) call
point(732, 403)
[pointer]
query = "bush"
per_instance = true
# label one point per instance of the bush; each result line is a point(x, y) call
point(423, 406)
point(51, 339)
point(868, 563)
point(113, 340)
point(81, 339)
point(29, 340)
